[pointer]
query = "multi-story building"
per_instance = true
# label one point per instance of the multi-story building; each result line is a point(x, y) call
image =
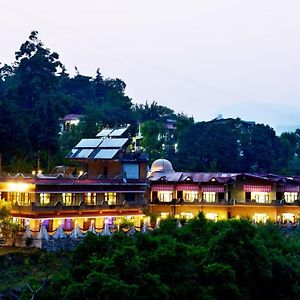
point(259, 197)
point(113, 185)
point(109, 187)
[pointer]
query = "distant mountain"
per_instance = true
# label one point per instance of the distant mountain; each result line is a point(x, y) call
point(281, 117)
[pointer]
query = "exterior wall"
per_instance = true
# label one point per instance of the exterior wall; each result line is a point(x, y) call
point(143, 171)
point(237, 192)
point(96, 168)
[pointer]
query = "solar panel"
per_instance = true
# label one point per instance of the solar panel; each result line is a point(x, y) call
point(113, 143)
point(89, 143)
point(71, 153)
point(94, 153)
point(118, 132)
point(106, 153)
point(104, 132)
point(83, 153)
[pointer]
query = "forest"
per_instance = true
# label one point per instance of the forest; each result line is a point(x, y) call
point(202, 259)
point(36, 90)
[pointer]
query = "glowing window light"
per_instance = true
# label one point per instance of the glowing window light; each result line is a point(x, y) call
point(164, 215)
point(212, 216)
point(187, 215)
point(260, 218)
point(17, 187)
point(288, 217)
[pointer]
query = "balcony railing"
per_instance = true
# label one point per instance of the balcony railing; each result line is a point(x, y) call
point(226, 202)
point(58, 206)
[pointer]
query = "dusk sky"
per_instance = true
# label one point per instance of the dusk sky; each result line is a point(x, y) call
point(203, 58)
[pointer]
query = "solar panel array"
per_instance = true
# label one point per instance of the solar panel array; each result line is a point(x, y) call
point(110, 132)
point(106, 146)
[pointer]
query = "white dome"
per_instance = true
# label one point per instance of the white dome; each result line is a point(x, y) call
point(161, 165)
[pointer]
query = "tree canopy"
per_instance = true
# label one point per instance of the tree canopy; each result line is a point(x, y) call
point(36, 91)
point(202, 260)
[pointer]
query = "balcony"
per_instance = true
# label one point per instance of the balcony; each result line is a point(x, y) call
point(225, 202)
point(194, 202)
point(79, 206)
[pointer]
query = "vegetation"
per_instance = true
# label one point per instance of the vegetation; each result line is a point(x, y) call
point(201, 260)
point(36, 90)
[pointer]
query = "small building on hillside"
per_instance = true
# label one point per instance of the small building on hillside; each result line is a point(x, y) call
point(68, 121)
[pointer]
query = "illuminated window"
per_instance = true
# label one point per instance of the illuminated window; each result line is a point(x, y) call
point(111, 198)
point(90, 198)
point(14, 197)
point(212, 216)
point(44, 198)
point(190, 196)
point(288, 217)
point(164, 215)
point(24, 199)
point(187, 215)
point(165, 196)
point(290, 197)
point(260, 218)
point(260, 197)
point(209, 196)
point(68, 198)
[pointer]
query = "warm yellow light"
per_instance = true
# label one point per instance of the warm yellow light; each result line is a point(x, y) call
point(80, 173)
point(40, 172)
point(17, 187)
point(211, 216)
point(33, 172)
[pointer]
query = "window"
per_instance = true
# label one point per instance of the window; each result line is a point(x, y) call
point(288, 217)
point(164, 215)
point(90, 198)
point(111, 198)
point(68, 199)
point(260, 197)
point(131, 171)
point(187, 215)
point(290, 197)
point(260, 218)
point(212, 216)
point(209, 196)
point(14, 197)
point(25, 200)
point(44, 198)
point(190, 196)
point(165, 196)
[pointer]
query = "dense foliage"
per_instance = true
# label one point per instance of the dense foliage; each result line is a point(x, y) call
point(36, 90)
point(201, 260)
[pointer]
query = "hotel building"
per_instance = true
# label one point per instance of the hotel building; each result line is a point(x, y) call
point(114, 185)
point(110, 187)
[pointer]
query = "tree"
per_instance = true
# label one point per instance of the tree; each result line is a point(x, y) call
point(261, 149)
point(151, 131)
point(31, 84)
point(208, 147)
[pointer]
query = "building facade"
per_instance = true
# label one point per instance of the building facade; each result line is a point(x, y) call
point(259, 197)
point(113, 185)
point(108, 188)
